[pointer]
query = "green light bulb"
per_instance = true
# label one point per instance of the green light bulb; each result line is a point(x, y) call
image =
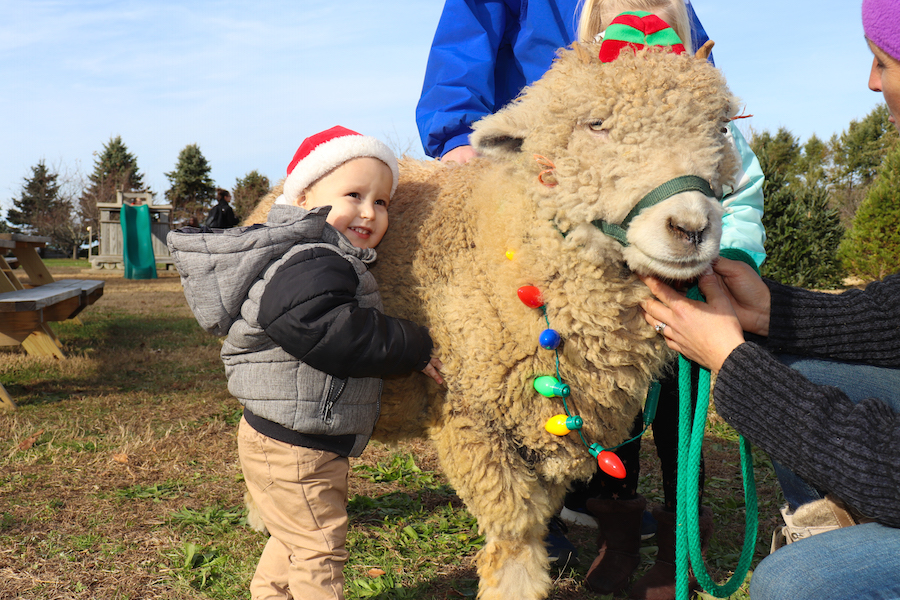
point(550, 387)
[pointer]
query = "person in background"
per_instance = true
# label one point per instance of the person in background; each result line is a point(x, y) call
point(483, 54)
point(819, 391)
point(221, 216)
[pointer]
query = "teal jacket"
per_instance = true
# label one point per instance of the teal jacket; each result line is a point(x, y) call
point(742, 227)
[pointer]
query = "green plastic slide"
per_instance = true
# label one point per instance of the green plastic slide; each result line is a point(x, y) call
point(137, 242)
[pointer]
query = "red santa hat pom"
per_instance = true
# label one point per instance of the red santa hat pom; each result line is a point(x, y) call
point(323, 152)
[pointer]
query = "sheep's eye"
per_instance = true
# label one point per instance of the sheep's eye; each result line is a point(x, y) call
point(596, 125)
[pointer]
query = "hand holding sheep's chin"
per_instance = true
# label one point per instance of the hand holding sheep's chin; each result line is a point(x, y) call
point(432, 368)
point(749, 295)
point(705, 333)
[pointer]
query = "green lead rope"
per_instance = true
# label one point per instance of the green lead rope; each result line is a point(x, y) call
point(690, 444)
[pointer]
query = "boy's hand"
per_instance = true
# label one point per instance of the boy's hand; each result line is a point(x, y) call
point(432, 370)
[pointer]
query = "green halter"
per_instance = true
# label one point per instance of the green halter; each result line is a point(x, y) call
point(685, 183)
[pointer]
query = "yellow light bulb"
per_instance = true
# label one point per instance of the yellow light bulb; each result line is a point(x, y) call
point(562, 424)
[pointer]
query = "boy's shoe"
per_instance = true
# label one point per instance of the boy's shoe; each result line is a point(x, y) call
point(578, 516)
point(560, 550)
point(648, 525)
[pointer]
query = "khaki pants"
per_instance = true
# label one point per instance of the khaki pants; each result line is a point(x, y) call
point(302, 497)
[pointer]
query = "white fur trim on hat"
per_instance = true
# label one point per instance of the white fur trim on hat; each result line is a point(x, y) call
point(329, 155)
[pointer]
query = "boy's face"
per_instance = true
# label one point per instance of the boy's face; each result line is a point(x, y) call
point(358, 193)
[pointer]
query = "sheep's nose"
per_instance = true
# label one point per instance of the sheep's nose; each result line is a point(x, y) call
point(689, 237)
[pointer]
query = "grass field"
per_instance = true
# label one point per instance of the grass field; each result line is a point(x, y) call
point(119, 476)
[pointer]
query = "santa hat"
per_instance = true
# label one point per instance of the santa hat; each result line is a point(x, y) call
point(323, 152)
point(881, 22)
point(637, 30)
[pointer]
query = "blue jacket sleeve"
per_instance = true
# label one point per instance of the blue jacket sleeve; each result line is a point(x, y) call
point(742, 226)
point(459, 86)
point(698, 34)
point(484, 52)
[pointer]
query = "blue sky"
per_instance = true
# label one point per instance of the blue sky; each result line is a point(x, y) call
point(247, 81)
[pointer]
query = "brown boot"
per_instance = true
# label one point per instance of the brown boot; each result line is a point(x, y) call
point(659, 582)
point(618, 543)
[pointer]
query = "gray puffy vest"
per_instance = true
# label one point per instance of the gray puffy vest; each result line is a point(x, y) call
point(224, 275)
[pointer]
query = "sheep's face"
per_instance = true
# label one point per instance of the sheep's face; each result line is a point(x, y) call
point(598, 137)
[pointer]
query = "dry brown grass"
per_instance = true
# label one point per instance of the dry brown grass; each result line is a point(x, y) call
point(111, 447)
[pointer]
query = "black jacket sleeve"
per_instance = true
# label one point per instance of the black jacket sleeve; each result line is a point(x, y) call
point(310, 309)
point(857, 325)
point(229, 217)
point(852, 450)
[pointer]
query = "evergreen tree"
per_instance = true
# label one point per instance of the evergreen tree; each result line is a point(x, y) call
point(42, 210)
point(778, 155)
point(871, 249)
point(248, 191)
point(813, 162)
point(192, 189)
point(856, 155)
point(802, 241)
point(115, 169)
point(40, 195)
point(802, 232)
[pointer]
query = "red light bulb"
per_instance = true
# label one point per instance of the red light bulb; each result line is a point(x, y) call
point(530, 296)
point(611, 464)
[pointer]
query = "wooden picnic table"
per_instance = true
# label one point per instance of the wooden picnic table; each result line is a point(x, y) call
point(26, 309)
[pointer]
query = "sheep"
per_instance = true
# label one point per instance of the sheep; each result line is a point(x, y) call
point(582, 145)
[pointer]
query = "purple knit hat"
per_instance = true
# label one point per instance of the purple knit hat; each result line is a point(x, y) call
point(881, 22)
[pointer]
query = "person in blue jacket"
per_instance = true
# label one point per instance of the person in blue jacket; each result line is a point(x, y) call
point(484, 52)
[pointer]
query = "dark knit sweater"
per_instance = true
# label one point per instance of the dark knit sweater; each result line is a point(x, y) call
point(851, 450)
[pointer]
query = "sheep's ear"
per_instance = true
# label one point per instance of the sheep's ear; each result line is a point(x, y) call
point(499, 135)
point(498, 145)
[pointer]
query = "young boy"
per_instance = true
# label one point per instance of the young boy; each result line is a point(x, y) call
point(306, 349)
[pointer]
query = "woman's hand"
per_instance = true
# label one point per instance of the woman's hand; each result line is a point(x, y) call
point(705, 333)
point(749, 295)
point(432, 368)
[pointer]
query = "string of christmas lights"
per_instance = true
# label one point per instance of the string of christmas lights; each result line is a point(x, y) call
point(552, 387)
